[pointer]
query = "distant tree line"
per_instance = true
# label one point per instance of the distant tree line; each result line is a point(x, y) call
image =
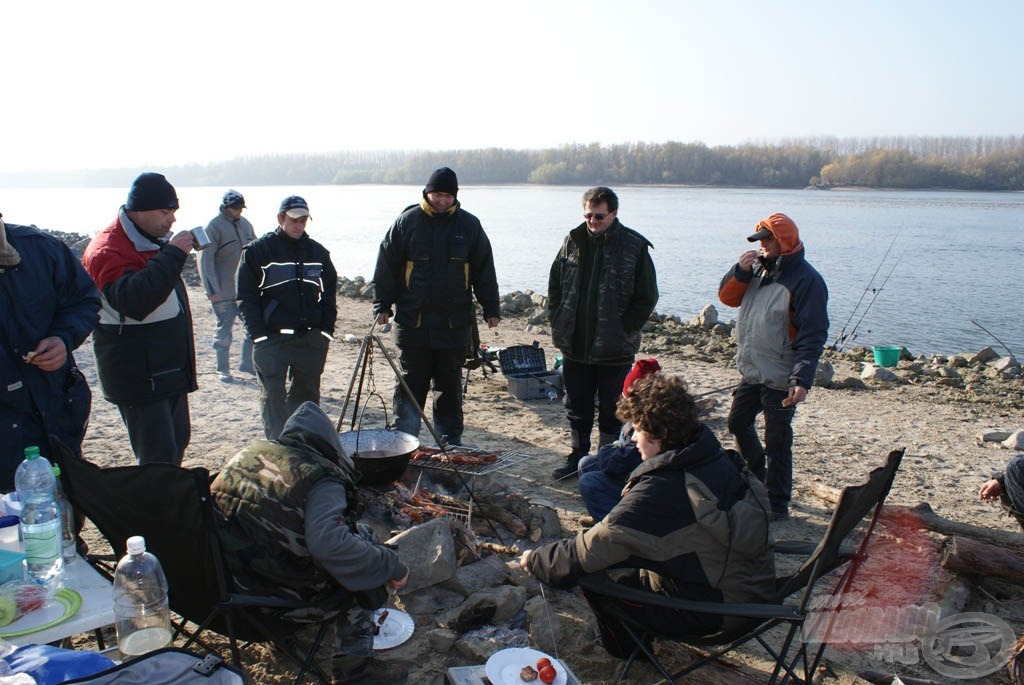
point(968, 163)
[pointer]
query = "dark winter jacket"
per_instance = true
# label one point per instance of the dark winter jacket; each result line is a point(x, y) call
point(47, 294)
point(692, 517)
point(429, 268)
point(286, 284)
point(782, 325)
point(601, 290)
point(144, 345)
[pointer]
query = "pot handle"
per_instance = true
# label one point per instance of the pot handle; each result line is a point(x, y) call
point(359, 422)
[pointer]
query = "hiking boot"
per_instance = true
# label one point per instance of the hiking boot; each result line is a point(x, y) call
point(570, 467)
point(353, 669)
point(225, 377)
point(247, 370)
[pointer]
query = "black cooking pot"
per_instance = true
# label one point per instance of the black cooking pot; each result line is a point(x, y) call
point(380, 455)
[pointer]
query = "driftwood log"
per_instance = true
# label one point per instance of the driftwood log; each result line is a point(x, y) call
point(974, 558)
point(927, 518)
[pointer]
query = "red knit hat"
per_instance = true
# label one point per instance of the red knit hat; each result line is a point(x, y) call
point(642, 368)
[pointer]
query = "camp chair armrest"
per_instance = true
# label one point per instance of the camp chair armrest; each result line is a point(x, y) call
point(795, 547)
point(601, 584)
point(262, 601)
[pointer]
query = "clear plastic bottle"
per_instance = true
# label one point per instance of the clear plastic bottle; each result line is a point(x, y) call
point(40, 520)
point(142, 618)
point(67, 520)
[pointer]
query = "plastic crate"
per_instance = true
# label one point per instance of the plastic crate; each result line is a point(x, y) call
point(527, 373)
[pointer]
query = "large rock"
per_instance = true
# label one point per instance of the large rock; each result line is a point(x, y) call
point(993, 435)
point(984, 356)
point(492, 605)
point(824, 374)
point(706, 318)
point(1015, 441)
point(878, 373)
point(428, 550)
point(485, 573)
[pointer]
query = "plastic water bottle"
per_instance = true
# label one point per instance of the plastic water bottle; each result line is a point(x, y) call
point(67, 520)
point(142, 618)
point(40, 520)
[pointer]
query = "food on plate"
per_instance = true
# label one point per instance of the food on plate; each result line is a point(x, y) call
point(383, 617)
point(548, 674)
point(527, 675)
point(19, 597)
point(542, 662)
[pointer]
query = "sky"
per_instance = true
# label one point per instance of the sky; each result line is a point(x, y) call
point(112, 83)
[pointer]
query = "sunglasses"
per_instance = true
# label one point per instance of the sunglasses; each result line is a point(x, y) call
point(596, 217)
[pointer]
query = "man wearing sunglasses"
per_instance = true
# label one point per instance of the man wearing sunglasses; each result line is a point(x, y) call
point(601, 290)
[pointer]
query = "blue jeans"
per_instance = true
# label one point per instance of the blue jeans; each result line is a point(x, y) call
point(772, 463)
point(600, 492)
point(582, 383)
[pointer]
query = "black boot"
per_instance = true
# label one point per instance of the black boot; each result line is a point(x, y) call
point(568, 469)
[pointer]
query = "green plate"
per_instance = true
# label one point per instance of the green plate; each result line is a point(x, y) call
point(64, 604)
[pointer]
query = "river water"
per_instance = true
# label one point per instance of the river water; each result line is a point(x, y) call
point(921, 264)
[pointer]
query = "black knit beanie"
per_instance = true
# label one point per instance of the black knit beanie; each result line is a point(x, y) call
point(151, 191)
point(443, 180)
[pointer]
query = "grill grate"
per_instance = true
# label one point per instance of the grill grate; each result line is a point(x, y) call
point(505, 458)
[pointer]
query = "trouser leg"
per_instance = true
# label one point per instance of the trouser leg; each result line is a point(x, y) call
point(746, 405)
point(609, 390)
point(447, 373)
point(778, 448)
point(415, 364)
point(246, 364)
point(271, 372)
point(306, 359)
point(158, 431)
point(581, 384)
point(225, 313)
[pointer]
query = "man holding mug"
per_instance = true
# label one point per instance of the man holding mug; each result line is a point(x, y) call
point(145, 349)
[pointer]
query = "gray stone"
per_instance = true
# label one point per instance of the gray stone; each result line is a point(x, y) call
point(993, 435)
point(428, 550)
point(478, 575)
point(878, 373)
point(721, 330)
point(958, 361)
point(824, 374)
point(563, 623)
point(544, 519)
point(441, 639)
point(948, 372)
point(850, 383)
point(706, 318)
point(1004, 363)
point(1015, 441)
point(430, 601)
point(950, 382)
point(984, 356)
point(492, 605)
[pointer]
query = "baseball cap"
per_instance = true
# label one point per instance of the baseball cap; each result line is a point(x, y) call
point(295, 207)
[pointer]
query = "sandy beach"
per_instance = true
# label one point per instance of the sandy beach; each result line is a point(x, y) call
point(840, 435)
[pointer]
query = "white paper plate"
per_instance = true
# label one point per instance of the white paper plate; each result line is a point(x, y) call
point(396, 629)
point(503, 667)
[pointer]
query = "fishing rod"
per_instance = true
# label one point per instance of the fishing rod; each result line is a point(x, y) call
point(1012, 357)
point(841, 338)
point(874, 296)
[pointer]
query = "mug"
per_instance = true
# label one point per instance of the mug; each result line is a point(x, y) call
point(200, 241)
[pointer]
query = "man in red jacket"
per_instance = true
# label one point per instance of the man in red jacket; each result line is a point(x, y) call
point(145, 350)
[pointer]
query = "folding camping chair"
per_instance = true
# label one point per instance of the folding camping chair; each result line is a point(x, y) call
point(172, 508)
point(751, 621)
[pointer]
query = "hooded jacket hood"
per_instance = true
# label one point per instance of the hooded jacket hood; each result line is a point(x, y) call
point(784, 230)
point(309, 429)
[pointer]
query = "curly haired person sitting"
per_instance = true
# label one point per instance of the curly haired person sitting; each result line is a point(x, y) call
point(693, 522)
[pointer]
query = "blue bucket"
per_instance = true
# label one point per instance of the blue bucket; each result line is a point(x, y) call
point(887, 356)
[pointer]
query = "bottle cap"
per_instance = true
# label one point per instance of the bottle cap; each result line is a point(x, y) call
point(31, 452)
point(136, 544)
